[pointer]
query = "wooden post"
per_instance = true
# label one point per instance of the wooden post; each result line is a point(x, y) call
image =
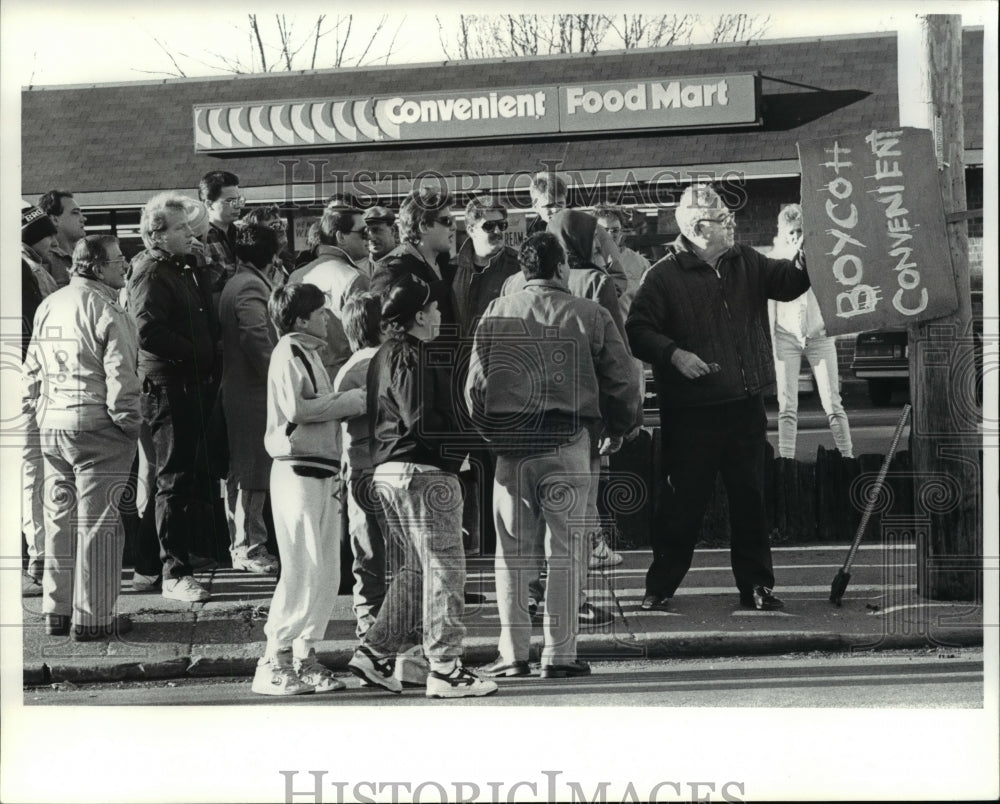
point(945, 442)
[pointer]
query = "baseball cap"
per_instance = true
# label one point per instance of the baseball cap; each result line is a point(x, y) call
point(379, 215)
point(407, 296)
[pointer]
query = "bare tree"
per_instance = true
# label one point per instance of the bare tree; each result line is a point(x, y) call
point(285, 43)
point(504, 35)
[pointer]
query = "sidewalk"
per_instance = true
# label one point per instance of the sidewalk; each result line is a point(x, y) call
point(224, 637)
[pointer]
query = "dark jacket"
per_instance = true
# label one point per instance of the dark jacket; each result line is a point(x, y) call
point(406, 259)
point(476, 287)
point(546, 363)
point(173, 310)
point(722, 318)
point(411, 407)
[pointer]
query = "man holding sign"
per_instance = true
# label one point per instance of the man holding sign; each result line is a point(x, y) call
point(700, 318)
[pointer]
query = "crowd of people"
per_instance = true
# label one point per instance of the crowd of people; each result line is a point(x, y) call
point(441, 400)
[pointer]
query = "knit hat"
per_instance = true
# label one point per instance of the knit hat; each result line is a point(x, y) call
point(35, 224)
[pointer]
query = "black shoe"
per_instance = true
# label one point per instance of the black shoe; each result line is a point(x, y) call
point(57, 624)
point(535, 610)
point(474, 599)
point(571, 670)
point(762, 599)
point(89, 633)
point(502, 669)
point(592, 616)
point(655, 603)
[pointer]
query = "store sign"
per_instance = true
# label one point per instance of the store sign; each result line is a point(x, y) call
point(874, 230)
point(525, 111)
point(687, 102)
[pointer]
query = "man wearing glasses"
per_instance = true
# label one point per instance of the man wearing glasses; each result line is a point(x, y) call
point(548, 194)
point(220, 192)
point(343, 242)
point(700, 318)
point(427, 229)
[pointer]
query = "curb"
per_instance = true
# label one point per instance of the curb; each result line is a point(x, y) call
point(592, 646)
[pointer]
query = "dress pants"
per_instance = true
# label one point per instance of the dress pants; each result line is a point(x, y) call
point(86, 473)
point(698, 443)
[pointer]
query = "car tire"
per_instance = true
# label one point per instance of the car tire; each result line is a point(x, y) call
point(880, 392)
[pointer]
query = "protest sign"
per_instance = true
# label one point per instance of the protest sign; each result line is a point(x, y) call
point(874, 227)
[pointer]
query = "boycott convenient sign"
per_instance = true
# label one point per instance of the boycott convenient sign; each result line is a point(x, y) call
point(874, 234)
point(702, 101)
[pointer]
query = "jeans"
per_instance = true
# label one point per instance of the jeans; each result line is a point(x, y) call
point(85, 475)
point(822, 356)
point(177, 417)
point(423, 507)
point(245, 517)
point(368, 529)
point(541, 505)
point(698, 443)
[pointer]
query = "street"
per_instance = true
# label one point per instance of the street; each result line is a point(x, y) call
point(914, 679)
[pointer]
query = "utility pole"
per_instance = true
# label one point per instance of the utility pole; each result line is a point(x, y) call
point(945, 437)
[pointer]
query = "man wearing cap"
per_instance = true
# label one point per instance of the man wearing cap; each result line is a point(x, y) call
point(549, 377)
point(85, 398)
point(548, 195)
point(38, 234)
point(343, 241)
point(381, 232)
point(69, 221)
point(414, 427)
point(427, 228)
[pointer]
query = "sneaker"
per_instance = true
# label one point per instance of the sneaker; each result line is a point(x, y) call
point(262, 565)
point(374, 669)
point(592, 616)
point(144, 583)
point(500, 668)
point(30, 586)
point(603, 555)
point(202, 563)
point(185, 589)
point(412, 667)
point(459, 683)
point(276, 676)
point(316, 675)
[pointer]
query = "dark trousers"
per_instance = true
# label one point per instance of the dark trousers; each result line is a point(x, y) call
point(178, 416)
point(698, 443)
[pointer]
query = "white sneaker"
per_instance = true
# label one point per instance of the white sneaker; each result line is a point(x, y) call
point(186, 589)
point(376, 670)
point(311, 672)
point(459, 683)
point(144, 583)
point(276, 676)
point(263, 565)
point(603, 555)
point(412, 667)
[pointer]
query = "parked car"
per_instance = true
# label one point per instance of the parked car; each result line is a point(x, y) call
point(882, 357)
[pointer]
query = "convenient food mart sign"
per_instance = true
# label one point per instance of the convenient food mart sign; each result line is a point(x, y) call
point(689, 102)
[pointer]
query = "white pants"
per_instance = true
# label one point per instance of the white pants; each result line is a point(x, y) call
point(308, 530)
point(822, 356)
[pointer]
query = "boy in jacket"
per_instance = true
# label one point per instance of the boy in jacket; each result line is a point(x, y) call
point(303, 438)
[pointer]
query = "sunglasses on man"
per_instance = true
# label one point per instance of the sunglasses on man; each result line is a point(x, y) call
point(494, 226)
